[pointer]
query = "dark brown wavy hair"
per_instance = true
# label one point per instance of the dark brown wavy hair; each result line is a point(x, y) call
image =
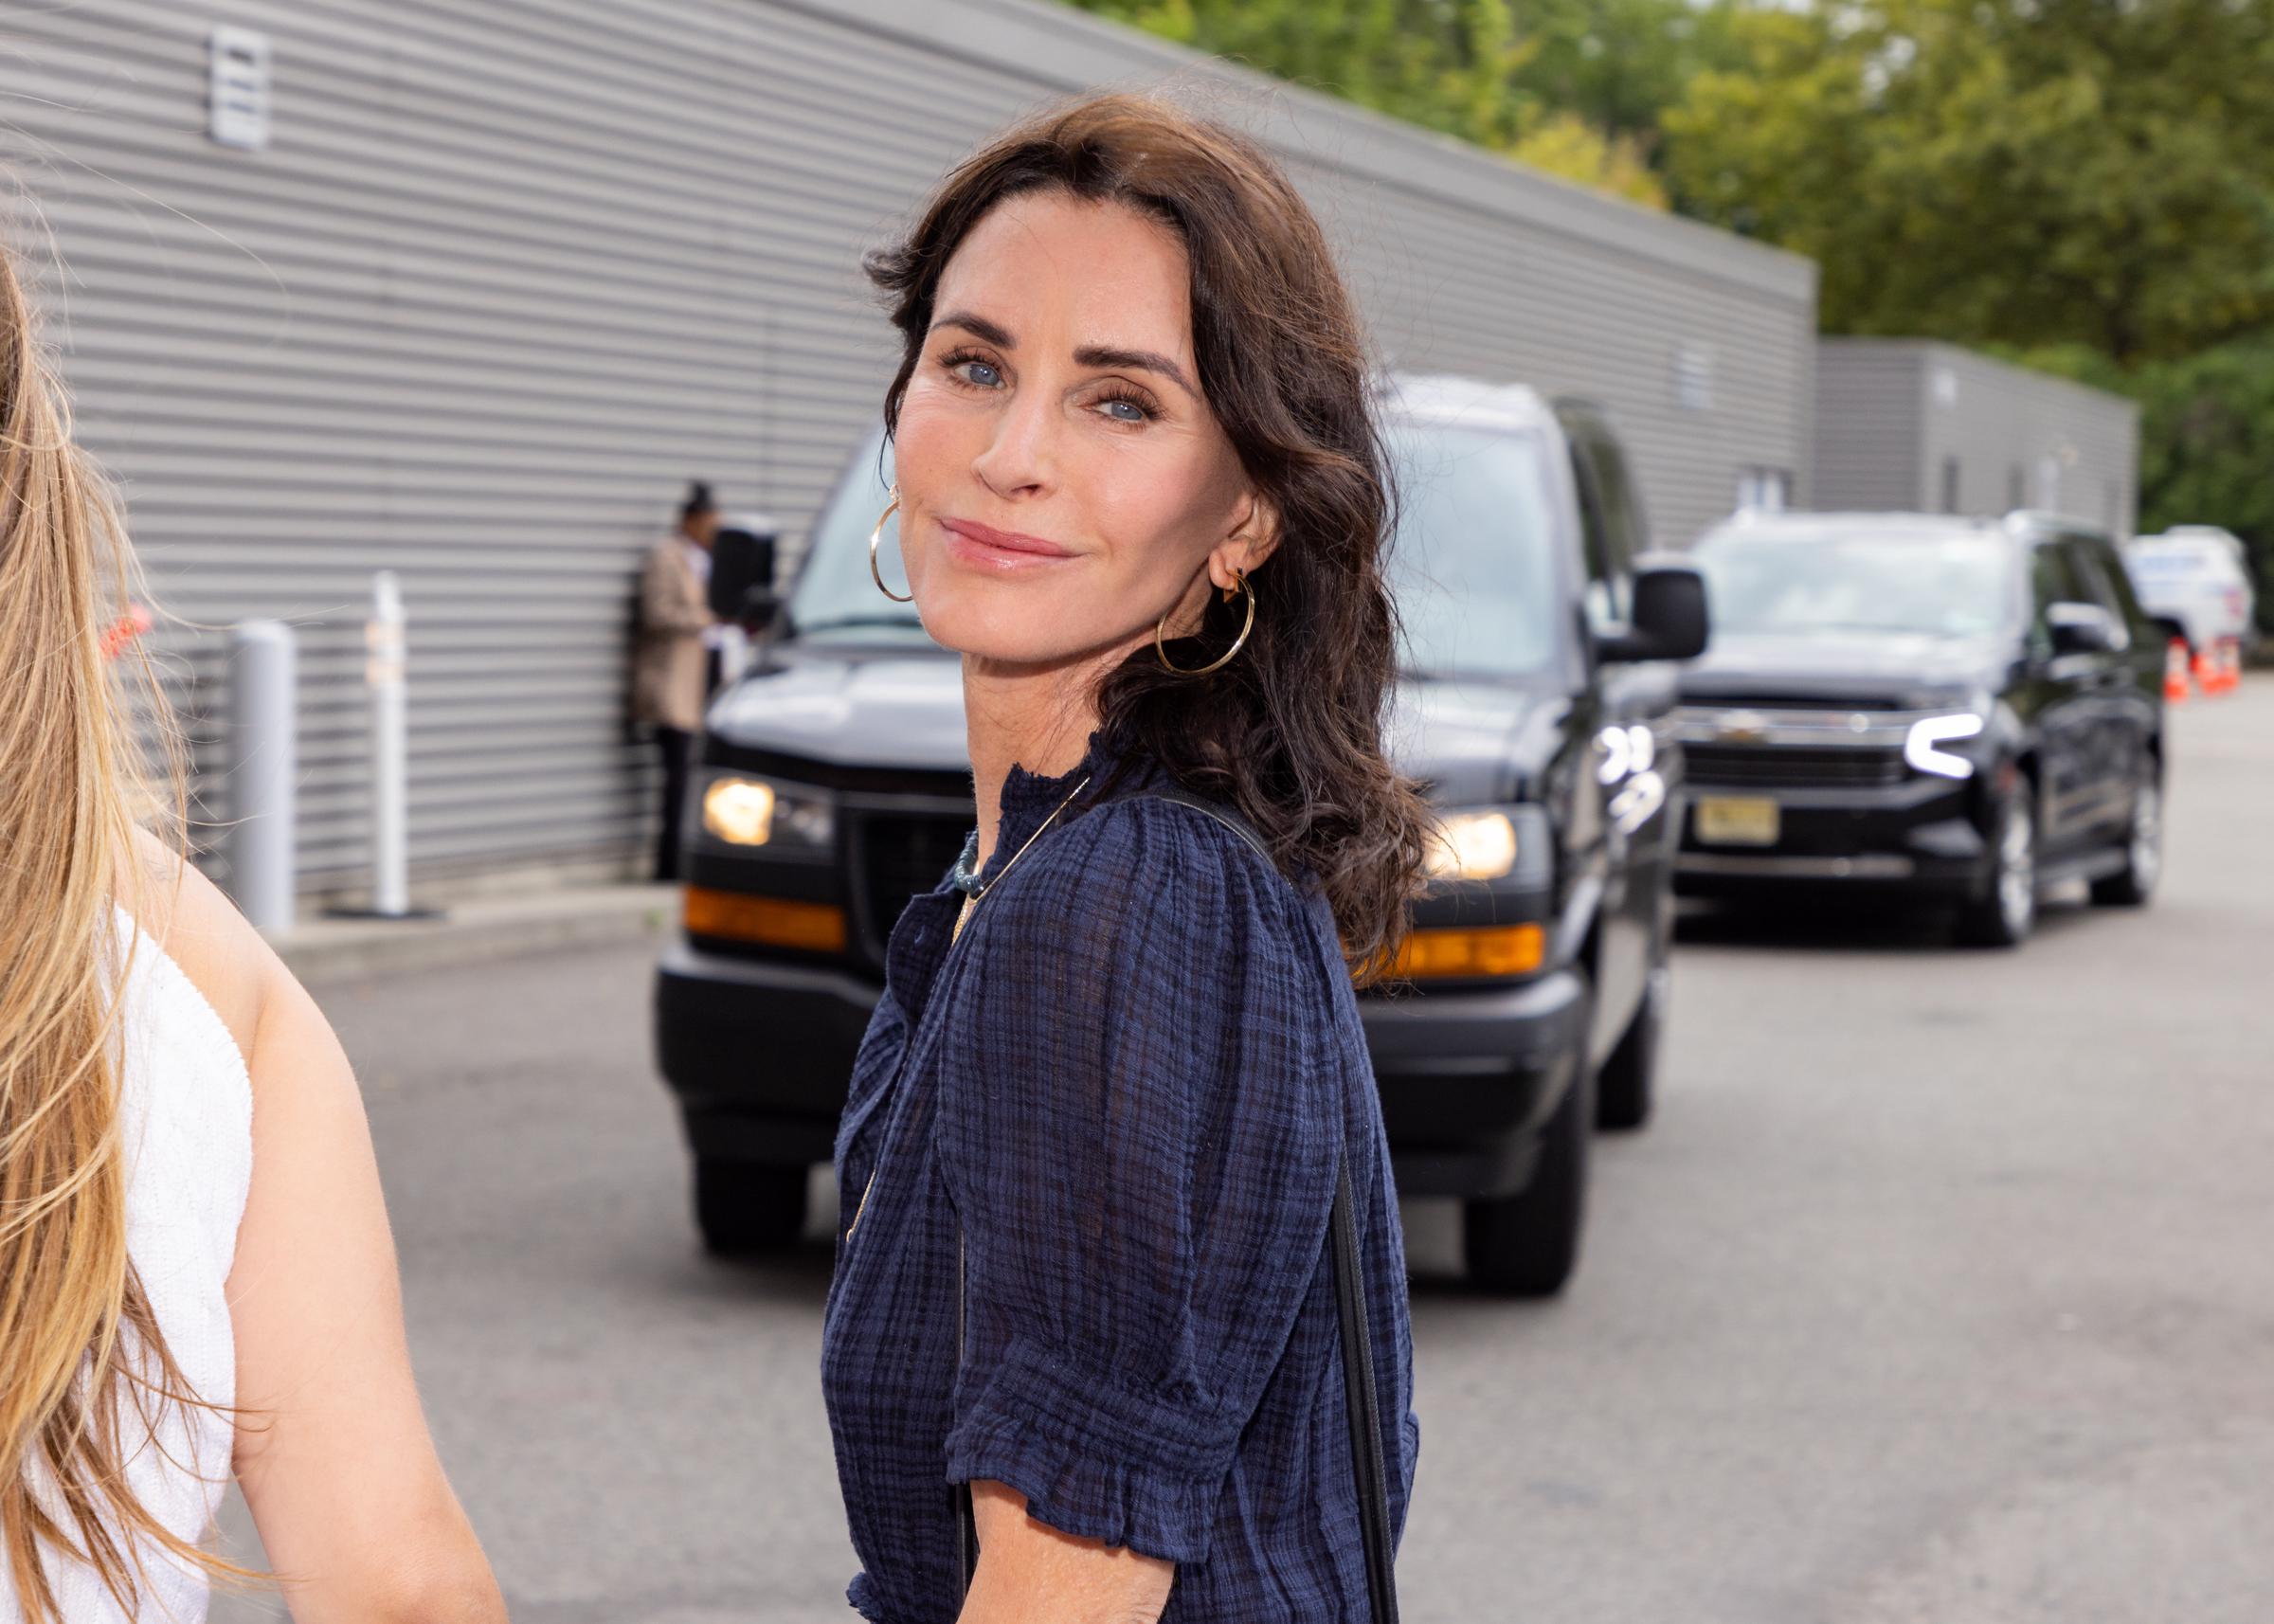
point(1289, 733)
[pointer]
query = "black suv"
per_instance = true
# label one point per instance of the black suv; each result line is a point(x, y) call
point(1966, 708)
point(833, 785)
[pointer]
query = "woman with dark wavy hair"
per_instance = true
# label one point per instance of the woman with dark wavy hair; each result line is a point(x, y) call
point(1095, 1128)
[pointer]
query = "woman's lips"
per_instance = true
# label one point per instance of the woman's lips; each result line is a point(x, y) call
point(984, 545)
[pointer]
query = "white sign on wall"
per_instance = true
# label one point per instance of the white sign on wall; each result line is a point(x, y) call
point(237, 86)
point(1694, 377)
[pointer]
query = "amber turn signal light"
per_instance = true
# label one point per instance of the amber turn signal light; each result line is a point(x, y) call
point(1487, 951)
point(817, 926)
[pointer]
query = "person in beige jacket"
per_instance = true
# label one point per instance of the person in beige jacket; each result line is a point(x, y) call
point(674, 668)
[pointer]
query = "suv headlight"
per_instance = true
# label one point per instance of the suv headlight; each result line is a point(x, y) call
point(1472, 846)
point(744, 810)
point(1921, 746)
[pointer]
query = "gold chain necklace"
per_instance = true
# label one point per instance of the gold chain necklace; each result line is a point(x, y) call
point(971, 901)
point(955, 932)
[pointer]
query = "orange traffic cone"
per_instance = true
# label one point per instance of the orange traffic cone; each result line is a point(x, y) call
point(2207, 668)
point(2174, 670)
point(2219, 667)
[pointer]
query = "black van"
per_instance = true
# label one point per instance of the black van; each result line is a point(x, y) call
point(1535, 706)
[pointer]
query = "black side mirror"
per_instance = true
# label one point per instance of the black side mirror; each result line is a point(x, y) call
point(762, 611)
point(1669, 620)
point(742, 562)
point(2082, 629)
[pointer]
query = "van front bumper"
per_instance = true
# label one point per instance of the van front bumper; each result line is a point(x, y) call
point(759, 1055)
point(1469, 1075)
point(1921, 835)
point(758, 1052)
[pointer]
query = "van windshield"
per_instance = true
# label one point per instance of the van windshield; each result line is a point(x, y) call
point(833, 591)
point(1472, 565)
point(1799, 578)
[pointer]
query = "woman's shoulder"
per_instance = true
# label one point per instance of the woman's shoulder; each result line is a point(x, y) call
point(187, 918)
point(1154, 881)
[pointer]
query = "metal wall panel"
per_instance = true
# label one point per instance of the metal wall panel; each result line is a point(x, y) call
point(510, 273)
point(1868, 426)
point(1914, 423)
point(2068, 450)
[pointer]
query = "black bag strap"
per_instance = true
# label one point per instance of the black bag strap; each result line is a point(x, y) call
point(1361, 1398)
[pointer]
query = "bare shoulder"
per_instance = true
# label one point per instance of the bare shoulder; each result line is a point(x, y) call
point(200, 930)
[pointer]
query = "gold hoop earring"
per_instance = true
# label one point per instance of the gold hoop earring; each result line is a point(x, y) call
point(877, 540)
point(1237, 644)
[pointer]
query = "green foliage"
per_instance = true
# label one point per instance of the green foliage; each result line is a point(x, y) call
point(2206, 437)
point(2207, 448)
point(1564, 144)
point(2089, 182)
point(1620, 64)
point(2035, 171)
point(1571, 86)
point(1436, 62)
point(2086, 184)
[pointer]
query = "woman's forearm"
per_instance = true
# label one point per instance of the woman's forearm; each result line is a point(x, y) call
point(1030, 1573)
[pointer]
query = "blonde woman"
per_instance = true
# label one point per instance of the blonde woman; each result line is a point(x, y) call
point(196, 1277)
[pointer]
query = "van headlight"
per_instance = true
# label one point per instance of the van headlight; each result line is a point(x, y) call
point(742, 810)
point(1921, 746)
point(1471, 845)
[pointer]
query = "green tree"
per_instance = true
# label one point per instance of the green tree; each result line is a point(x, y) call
point(2207, 448)
point(1574, 89)
point(2037, 172)
point(1443, 64)
point(1565, 144)
point(1620, 64)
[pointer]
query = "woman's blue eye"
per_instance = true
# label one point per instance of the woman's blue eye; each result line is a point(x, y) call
point(979, 372)
point(1125, 411)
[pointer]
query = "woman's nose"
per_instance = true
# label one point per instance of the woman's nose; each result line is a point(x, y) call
point(1021, 458)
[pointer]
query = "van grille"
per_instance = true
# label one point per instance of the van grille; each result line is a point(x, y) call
point(895, 856)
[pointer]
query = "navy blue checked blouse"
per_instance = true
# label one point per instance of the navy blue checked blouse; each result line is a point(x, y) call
point(1127, 1080)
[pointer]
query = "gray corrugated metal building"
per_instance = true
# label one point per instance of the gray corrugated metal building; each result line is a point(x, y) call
point(504, 277)
point(1908, 423)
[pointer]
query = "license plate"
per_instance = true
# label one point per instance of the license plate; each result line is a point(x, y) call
point(1736, 820)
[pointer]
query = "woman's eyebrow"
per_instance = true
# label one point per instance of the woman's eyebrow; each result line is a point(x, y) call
point(978, 327)
point(1138, 360)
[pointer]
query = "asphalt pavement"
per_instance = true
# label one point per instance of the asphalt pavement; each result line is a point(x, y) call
point(1940, 1289)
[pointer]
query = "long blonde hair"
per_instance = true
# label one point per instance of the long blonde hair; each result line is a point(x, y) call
point(84, 1374)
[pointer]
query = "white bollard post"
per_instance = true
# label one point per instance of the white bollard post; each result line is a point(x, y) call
point(262, 752)
point(383, 675)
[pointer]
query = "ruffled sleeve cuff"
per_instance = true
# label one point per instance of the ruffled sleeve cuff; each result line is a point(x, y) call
point(1094, 1460)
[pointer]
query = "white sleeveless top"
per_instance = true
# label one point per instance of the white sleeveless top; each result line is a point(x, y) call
point(186, 1119)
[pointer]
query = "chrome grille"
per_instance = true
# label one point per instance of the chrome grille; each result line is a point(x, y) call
point(1841, 727)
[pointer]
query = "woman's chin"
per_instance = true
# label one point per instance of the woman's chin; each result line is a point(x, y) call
point(1024, 641)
